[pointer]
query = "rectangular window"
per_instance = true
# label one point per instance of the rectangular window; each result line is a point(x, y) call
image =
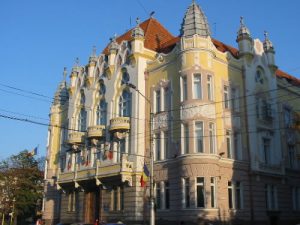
point(167, 99)
point(266, 150)
point(158, 101)
point(115, 199)
point(72, 199)
point(288, 121)
point(226, 97)
point(230, 195)
point(122, 198)
point(296, 198)
point(167, 195)
point(199, 136)
point(157, 146)
point(166, 144)
point(237, 146)
point(228, 144)
point(209, 88)
point(292, 156)
point(212, 138)
point(200, 192)
point(186, 192)
point(186, 138)
point(234, 100)
point(235, 195)
point(184, 88)
point(213, 192)
point(271, 197)
point(197, 86)
point(158, 193)
point(257, 107)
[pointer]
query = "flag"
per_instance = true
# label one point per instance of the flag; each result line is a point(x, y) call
point(145, 176)
point(33, 152)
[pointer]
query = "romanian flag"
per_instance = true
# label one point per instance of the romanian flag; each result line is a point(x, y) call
point(33, 152)
point(145, 176)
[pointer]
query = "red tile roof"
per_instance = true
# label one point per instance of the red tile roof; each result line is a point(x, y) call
point(159, 39)
point(155, 35)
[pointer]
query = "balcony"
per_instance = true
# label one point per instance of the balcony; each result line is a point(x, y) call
point(120, 123)
point(65, 177)
point(96, 131)
point(86, 174)
point(76, 137)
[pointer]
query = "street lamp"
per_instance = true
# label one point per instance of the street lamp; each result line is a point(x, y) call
point(152, 213)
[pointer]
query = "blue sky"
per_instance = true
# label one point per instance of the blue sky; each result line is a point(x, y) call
point(38, 38)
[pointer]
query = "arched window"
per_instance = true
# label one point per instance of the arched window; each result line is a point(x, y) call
point(102, 89)
point(82, 98)
point(125, 77)
point(82, 120)
point(125, 104)
point(101, 113)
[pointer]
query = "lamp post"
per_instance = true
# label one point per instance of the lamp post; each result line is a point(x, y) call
point(152, 213)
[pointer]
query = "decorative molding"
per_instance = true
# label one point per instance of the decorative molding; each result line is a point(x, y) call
point(194, 110)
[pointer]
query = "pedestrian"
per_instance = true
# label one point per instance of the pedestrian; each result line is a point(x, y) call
point(96, 222)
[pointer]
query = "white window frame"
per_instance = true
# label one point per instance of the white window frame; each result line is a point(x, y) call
point(212, 138)
point(184, 88)
point(229, 149)
point(186, 193)
point(213, 187)
point(210, 89)
point(200, 184)
point(197, 85)
point(233, 187)
point(226, 97)
point(196, 136)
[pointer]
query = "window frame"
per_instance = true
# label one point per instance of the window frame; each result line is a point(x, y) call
point(197, 86)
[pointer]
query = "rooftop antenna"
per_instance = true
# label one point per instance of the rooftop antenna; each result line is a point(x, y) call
point(65, 73)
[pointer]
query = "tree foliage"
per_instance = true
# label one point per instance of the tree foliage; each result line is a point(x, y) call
point(21, 185)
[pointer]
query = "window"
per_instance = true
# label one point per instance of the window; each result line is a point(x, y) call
point(235, 196)
point(257, 107)
point(186, 138)
point(82, 120)
point(72, 199)
point(226, 97)
point(266, 110)
point(213, 192)
point(186, 192)
point(82, 98)
point(158, 199)
point(102, 89)
point(266, 150)
point(234, 100)
point(184, 88)
point(271, 197)
point(212, 138)
point(200, 192)
point(167, 195)
point(125, 77)
point(209, 88)
point(199, 136)
point(166, 144)
point(228, 144)
point(158, 101)
point(102, 113)
point(117, 198)
point(292, 156)
point(236, 145)
point(296, 198)
point(288, 119)
point(167, 99)
point(157, 146)
point(197, 86)
point(125, 104)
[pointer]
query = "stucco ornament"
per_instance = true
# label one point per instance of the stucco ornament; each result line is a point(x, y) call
point(194, 110)
point(161, 120)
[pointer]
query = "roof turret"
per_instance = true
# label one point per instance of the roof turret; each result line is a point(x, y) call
point(268, 45)
point(194, 22)
point(137, 32)
point(243, 32)
point(61, 94)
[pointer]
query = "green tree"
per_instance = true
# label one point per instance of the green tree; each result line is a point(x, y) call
point(21, 186)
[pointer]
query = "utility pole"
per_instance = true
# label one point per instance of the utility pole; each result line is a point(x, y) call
point(152, 212)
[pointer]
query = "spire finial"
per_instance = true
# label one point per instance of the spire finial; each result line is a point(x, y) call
point(65, 73)
point(77, 61)
point(242, 21)
point(94, 50)
point(138, 21)
point(266, 35)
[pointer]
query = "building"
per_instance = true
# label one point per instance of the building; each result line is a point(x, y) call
point(225, 131)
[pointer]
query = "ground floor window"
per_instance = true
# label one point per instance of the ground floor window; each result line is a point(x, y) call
point(117, 198)
point(72, 199)
point(271, 197)
point(235, 195)
point(200, 192)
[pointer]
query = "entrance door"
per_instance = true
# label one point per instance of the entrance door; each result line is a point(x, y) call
point(89, 207)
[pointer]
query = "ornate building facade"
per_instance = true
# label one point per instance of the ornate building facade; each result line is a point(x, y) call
point(224, 135)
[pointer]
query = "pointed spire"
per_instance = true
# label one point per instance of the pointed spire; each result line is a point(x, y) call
point(243, 30)
point(113, 43)
point(268, 45)
point(194, 22)
point(93, 55)
point(137, 32)
point(61, 94)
